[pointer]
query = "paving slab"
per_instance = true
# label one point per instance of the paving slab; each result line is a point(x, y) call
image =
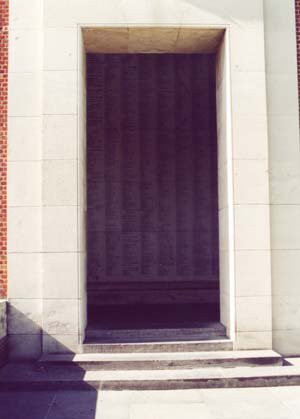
point(25, 405)
point(112, 411)
point(290, 397)
point(246, 403)
point(73, 405)
point(154, 396)
point(167, 411)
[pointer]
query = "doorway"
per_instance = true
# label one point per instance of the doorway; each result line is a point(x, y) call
point(152, 194)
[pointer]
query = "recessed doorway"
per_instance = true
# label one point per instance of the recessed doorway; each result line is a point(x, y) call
point(152, 197)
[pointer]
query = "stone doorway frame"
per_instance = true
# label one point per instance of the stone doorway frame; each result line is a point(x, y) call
point(166, 40)
point(244, 204)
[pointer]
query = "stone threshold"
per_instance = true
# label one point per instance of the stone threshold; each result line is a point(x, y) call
point(209, 330)
point(212, 344)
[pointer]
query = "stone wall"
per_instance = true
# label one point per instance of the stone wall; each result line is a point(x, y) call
point(46, 203)
point(284, 172)
point(24, 210)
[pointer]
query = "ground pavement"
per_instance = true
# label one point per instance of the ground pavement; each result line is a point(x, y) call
point(240, 403)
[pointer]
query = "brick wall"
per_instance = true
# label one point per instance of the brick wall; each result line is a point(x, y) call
point(4, 7)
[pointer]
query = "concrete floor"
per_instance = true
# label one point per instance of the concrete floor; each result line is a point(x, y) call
point(245, 403)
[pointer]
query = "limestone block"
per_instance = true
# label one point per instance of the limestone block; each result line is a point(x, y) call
point(24, 183)
point(82, 222)
point(286, 235)
point(24, 316)
point(60, 49)
point(24, 51)
point(287, 341)
point(24, 138)
point(284, 138)
point(60, 229)
point(253, 314)
point(60, 317)
point(251, 182)
point(250, 143)
point(223, 229)
point(248, 16)
point(24, 86)
point(242, 40)
point(224, 272)
point(59, 182)
point(25, 15)
point(60, 343)
point(285, 272)
point(225, 312)
point(287, 309)
point(285, 180)
point(24, 224)
point(60, 92)
point(248, 94)
point(279, 15)
point(28, 267)
point(60, 275)
point(282, 95)
point(223, 186)
point(253, 273)
point(153, 13)
point(281, 54)
point(252, 227)
point(67, 13)
point(24, 347)
point(59, 137)
point(82, 188)
point(253, 340)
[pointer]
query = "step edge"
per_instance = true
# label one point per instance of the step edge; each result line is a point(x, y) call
point(173, 342)
point(156, 356)
point(289, 372)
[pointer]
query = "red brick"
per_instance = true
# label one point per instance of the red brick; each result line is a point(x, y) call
point(4, 22)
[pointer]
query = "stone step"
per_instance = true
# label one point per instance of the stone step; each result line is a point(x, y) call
point(216, 344)
point(164, 360)
point(202, 332)
point(29, 377)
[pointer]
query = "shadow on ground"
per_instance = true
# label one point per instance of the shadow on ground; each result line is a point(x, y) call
point(48, 405)
point(27, 388)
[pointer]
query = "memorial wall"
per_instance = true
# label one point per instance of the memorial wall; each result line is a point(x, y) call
point(152, 169)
